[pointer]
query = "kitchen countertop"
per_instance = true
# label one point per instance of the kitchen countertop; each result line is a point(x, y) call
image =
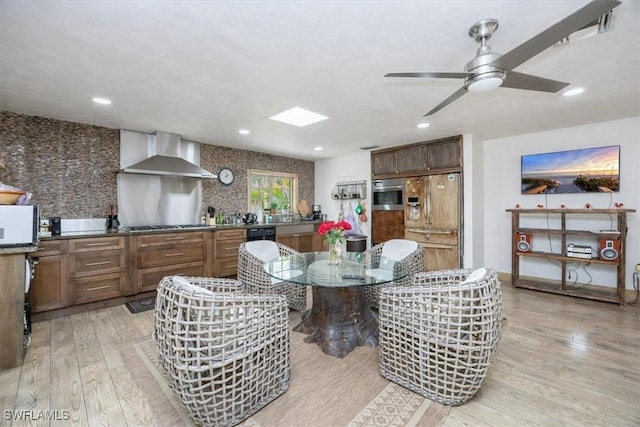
point(105, 233)
point(18, 249)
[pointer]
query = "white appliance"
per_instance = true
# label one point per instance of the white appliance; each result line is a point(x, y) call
point(18, 225)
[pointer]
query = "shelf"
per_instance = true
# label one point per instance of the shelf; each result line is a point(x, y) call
point(349, 190)
point(522, 234)
point(549, 255)
point(581, 291)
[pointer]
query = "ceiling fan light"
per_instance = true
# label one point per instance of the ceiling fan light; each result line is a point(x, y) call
point(484, 84)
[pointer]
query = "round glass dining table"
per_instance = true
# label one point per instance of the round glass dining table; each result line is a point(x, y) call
point(340, 318)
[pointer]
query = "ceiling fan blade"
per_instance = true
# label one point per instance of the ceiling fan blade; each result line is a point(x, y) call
point(427, 74)
point(516, 80)
point(554, 34)
point(457, 94)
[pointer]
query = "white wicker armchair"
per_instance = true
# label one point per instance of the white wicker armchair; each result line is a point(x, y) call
point(438, 336)
point(407, 252)
point(225, 353)
point(251, 258)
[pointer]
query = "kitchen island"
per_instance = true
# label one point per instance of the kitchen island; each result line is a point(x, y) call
point(12, 283)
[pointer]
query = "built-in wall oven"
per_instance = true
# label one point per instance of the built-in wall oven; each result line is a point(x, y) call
point(387, 194)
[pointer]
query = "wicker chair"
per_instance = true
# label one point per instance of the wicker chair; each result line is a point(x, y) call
point(225, 353)
point(409, 253)
point(438, 336)
point(251, 258)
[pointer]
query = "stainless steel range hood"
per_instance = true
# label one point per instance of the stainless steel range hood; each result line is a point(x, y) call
point(166, 154)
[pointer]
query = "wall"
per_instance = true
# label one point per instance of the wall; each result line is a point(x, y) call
point(501, 188)
point(355, 167)
point(71, 167)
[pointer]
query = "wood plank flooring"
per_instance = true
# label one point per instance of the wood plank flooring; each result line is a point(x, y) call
point(562, 361)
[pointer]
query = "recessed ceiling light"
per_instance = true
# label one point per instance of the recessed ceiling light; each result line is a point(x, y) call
point(318, 148)
point(297, 116)
point(573, 92)
point(244, 131)
point(101, 101)
point(423, 125)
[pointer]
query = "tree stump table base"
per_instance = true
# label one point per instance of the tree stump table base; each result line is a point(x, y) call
point(339, 320)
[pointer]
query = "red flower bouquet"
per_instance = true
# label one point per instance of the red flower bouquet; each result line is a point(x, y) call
point(332, 231)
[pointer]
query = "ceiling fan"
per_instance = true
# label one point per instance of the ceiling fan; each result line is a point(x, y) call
point(489, 70)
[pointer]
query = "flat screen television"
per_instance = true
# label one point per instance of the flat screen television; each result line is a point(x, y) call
point(586, 170)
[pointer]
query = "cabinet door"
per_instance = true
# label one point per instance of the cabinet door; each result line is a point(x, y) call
point(386, 225)
point(287, 240)
point(95, 288)
point(305, 242)
point(383, 163)
point(443, 155)
point(410, 159)
point(49, 288)
point(443, 201)
point(441, 257)
point(149, 278)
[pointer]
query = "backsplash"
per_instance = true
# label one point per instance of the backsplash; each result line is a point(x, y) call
point(71, 167)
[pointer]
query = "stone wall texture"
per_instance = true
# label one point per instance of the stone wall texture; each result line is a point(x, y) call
point(71, 168)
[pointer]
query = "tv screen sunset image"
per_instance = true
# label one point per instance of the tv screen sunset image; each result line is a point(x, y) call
point(574, 171)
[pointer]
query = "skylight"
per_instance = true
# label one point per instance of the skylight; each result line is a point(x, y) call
point(297, 116)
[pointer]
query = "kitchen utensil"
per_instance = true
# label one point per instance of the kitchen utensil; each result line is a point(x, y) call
point(363, 215)
point(250, 218)
point(303, 208)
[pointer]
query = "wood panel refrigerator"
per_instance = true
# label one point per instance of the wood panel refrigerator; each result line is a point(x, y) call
point(433, 218)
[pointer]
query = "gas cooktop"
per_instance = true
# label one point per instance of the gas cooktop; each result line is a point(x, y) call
point(163, 227)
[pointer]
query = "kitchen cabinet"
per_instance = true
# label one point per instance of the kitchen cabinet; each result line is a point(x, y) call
point(226, 245)
point(297, 237)
point(598, 241)
point(50, 285)
point(437, 156)
point(386, 225)
point(433, 218)
point(96, 269)
point(166, 254)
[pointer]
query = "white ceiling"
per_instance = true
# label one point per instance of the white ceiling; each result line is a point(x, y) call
point(206, 69)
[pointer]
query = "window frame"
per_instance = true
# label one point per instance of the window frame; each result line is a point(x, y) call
point(272, 176)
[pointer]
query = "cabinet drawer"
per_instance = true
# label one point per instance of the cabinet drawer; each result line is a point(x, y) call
point(51, 247)
point(91, 264)
point(228, 248)
point(237, 233)
point(427, 236)
point(175, 254)
point(96, 288)
point(169, 238)
point(149, 279)
point(95, 244)
point(224, 267)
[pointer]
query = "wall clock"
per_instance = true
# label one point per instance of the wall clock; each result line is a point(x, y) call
point(225, 176)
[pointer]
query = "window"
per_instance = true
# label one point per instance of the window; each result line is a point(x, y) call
point(273, 191)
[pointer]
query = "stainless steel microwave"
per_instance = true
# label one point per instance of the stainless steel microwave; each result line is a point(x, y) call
point(18, 225)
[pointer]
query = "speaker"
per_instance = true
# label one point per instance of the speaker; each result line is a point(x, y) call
point(523, 242)
point(609, 249)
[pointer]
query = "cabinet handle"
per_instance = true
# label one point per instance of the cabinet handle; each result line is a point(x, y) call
point(91, 264)
point(176, 254)
point(98, 244)
point(174, 238)
point(98, 288)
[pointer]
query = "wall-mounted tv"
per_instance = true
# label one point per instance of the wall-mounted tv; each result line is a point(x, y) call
point(587, 170)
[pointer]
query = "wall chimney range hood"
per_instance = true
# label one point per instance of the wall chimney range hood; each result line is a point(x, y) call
point(166, 154)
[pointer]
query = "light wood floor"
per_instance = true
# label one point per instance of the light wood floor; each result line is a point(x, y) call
point(562, 361)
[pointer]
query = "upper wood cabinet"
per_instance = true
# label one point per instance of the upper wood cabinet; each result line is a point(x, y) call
point(437, 156)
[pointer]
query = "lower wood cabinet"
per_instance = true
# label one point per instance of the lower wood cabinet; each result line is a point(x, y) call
point(386, 225)
point(302, 238)
point(96, 288)
point(226, 245)
point(167, 254)
point(50, 285)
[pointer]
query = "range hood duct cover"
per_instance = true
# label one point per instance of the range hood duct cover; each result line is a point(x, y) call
point(170, 162)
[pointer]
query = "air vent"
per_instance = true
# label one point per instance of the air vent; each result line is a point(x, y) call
point(370, 147)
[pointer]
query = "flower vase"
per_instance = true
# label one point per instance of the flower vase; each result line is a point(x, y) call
point(335, 252)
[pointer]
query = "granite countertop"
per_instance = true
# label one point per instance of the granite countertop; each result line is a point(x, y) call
point(105, 233)
point(18, 250)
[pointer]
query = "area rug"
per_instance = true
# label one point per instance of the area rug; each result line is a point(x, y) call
point(140, 305)
point(314, 398)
